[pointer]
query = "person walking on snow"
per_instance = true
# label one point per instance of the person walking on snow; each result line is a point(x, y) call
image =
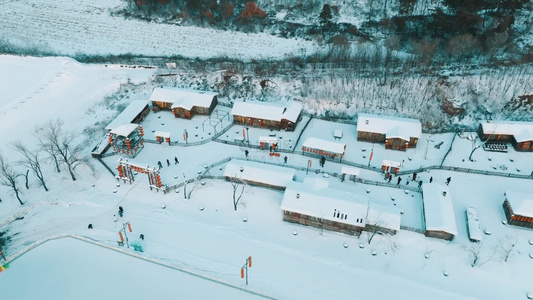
point(431, 179)
point(285, 159)
point(120, 211)
point(399, 180)
point(414, 176)
point(448, 180)
point(168, 163)
point(420, 184)
point(160, 165)
point(390, 177)
point(176, 161)
point(246, 152)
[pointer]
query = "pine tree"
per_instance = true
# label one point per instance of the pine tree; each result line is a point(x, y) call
point(325, 16)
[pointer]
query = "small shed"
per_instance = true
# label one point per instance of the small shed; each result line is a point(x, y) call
point(320, 147)
point(127, 139)
point(395, 132)
point(518, 208)
point(352, 173)
point(389, 166)
point(519, 134)
point(162, 136)
point(184, 103)
point(314, 203)
point(272, 115)
point(259, 174)
point(265, 142)
point(472, 222)
point(438, 212)
point(337, 134)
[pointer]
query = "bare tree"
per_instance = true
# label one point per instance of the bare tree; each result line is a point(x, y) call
point(507, 246)
point(8, 177)
point(31, 160)
point(238, 186)
point(475, 256)
point(59, 144)
point(375, 229)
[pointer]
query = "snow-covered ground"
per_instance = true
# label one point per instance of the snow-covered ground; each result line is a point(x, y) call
point(81, 27)
point(205, 235)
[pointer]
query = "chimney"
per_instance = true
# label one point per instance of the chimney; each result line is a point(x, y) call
point(366, 121)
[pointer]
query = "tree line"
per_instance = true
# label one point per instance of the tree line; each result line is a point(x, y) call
point(55, 145)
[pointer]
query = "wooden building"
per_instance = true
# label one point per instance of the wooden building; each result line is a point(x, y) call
point(519, 134)
point(259, 174)
point(325, 148)
point(396, 133)
point(184, 103)
point(313, 203)
point(135, 112)
point(518, 208)
point(438, 211)
point(271, 115)
point(127, 139)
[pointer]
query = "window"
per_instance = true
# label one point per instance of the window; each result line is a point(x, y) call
point(345, 217)
point(342, 216)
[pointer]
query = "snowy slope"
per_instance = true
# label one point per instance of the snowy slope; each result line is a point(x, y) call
point(72, 27)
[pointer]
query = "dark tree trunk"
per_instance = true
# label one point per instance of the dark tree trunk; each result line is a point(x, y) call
point(27, 182)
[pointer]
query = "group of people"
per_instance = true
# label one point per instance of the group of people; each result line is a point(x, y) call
point(176, 161)
point(414, 177)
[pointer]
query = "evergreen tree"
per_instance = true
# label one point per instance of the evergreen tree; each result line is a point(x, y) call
point(325, 16)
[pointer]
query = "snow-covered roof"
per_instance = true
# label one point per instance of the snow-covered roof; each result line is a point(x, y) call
point(321, 144)
point(390, 163)
point(274, 111)
point(321, 201)
point(384, 216)
point(350, 171)
point(392, 127)
point(293, 111)
point(128, 114)
point(259, 172)
point(521, 203)
point(474, 229)
point(268, 139)
point(162, 134)
point(438, 208)
point(522, 131)
point(183, 98)
point(124, 130)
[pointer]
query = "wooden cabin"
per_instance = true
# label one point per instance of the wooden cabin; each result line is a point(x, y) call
point(327, 149)
point(259, 174)
point(127, 139)
point(313, 203)
point(518, 208)
point(438, 212)
point(271, 115)
point(519, 134)
point(184, 103)
point(396, 133)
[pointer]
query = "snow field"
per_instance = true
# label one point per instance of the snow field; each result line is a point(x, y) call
point(72, 27)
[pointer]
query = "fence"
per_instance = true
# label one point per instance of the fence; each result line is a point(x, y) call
point(301, 133)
